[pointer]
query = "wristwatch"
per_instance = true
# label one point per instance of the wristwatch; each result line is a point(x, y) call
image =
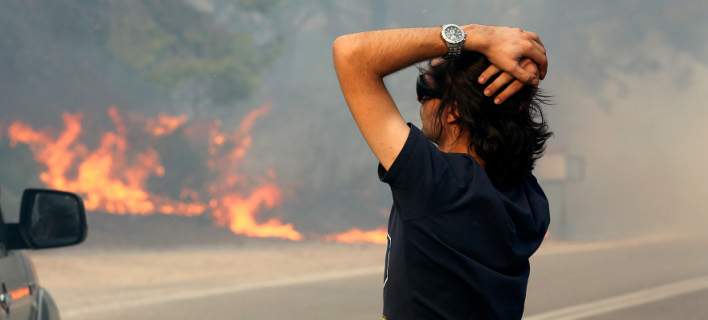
point(454, 37)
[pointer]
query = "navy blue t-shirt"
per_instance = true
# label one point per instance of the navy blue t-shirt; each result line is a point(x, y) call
point(458, 248)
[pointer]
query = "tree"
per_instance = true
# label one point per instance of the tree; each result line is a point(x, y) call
point(213, 48)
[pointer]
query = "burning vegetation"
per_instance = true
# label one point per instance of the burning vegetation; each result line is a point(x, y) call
point(114, 175)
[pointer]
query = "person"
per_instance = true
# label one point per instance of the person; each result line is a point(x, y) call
point(467, 211)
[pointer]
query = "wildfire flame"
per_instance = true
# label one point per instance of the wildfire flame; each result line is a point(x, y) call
point(112, 177)
point(104, 176)
point(356, 235)
point(165, 124)
point(236, 212)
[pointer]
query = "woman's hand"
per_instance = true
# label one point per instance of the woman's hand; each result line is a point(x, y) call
point(519, 54)
point(506, 47)
point(504, 78)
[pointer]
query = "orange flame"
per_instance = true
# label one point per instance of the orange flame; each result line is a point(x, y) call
point(238, 213)
point(356, 235)
point(103, 175)
point(113, 178)
point(165, 124)
point(234, 210)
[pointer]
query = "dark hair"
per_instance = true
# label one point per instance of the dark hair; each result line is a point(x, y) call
point(509, 137)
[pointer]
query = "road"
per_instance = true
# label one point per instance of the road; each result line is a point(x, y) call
point(657, 280)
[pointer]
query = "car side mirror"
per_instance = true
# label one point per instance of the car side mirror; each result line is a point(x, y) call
point(50, 218)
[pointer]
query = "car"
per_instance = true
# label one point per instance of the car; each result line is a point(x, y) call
point(48, 219)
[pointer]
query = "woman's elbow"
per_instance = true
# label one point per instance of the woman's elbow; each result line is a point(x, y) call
point(344, 48)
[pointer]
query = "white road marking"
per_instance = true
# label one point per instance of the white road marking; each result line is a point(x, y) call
point(624, 301)
point(158, 295)
point(196, 294)
point(571, 247)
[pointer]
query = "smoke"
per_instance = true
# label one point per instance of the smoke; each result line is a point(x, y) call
point(645, 158)
point(627, 79)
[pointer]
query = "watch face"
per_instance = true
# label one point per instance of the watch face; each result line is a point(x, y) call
point(453, 34)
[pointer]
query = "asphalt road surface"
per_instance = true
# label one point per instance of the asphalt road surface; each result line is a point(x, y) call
point(664, 280)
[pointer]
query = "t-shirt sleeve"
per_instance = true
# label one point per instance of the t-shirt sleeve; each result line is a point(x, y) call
point(414, 173)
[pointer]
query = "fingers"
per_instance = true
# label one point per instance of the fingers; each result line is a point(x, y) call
point(543, 68)
point(538, 45)
point(522, 75)
point(505, 78)
point(534, 49)
point(502, 80)
point(509, 91)
point(535, 37)
point(488, 73)
point(492, 70)
point(507, 46)
point(538, 54)
point(529, 65)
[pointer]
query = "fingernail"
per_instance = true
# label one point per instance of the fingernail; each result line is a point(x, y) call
point(481, 79)
point(487, 93)
point(497, 101)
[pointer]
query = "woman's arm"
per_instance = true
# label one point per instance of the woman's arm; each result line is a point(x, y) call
point(363, 59)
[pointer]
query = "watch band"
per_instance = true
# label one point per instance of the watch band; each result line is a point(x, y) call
point(454, 48)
